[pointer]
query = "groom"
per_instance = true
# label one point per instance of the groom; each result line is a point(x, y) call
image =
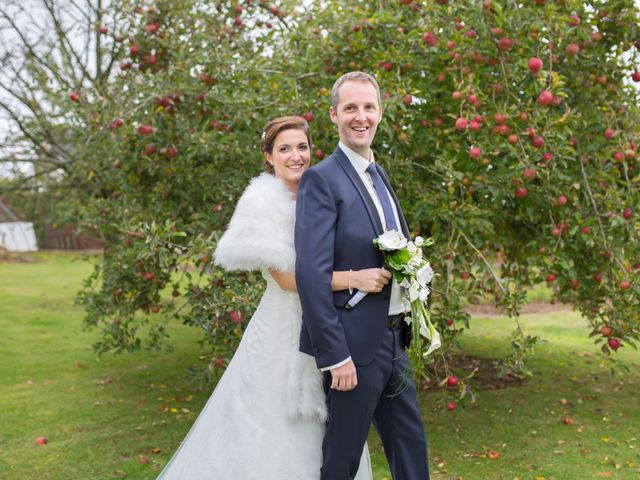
point(343, 203)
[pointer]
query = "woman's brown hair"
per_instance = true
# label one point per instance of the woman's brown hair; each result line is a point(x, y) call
point(273, 129)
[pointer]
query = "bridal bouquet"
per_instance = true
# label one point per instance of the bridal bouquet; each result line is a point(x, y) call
point(405, 260)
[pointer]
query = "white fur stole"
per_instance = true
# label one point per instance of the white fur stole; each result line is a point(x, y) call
point(260, 233)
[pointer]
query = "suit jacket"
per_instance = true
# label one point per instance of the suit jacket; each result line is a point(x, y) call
point(336, 222)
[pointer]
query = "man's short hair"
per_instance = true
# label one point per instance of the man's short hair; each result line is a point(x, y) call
point(359, 76)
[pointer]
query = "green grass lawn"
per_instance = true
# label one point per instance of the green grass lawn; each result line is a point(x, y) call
point(122, 417)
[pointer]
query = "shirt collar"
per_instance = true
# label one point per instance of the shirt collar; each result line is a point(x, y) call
point(357, 161)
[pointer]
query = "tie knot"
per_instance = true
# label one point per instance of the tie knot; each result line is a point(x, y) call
point(371, 168)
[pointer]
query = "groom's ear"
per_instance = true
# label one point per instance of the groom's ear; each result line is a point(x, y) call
point(333, 115)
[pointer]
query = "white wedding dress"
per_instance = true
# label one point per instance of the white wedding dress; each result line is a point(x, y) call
point(265, 418)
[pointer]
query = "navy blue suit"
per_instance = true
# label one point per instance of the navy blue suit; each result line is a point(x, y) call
point(336, 222)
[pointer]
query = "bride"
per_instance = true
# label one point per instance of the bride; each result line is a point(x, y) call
point(266, 417)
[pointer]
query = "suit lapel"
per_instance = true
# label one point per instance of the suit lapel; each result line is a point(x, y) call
point(403, 222)
point(344, 162)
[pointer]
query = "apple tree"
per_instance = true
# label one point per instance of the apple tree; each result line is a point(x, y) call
point(509, 129)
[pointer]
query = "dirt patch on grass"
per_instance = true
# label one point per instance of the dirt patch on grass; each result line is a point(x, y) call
point(530, 308)
point(486, 373)
point(483, 371)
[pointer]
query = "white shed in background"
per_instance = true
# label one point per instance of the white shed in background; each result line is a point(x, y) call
point(18, 237)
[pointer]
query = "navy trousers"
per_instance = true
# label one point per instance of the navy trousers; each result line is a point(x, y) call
point(386, 394)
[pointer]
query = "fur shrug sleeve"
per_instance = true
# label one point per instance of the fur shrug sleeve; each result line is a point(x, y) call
point(260, 233)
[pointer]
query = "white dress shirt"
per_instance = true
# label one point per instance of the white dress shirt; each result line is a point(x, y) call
point(360, 165)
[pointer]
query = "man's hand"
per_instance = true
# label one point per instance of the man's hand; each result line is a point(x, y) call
point(344, 377)
point(371, 280)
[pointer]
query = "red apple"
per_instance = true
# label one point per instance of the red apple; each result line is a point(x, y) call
point(545, 98)
point(547, 156)
point(609, 133)
point(150, 59)
point(357, 28)
point(457, 95)
point(606, 331)
point(116, 123)
point(537, 142)
point(150, 149)
point(561, 200)
point(238, 22)
point(614, 344)
point(586, 230)
point(152, 27)
point(172, 152)
point(472, 99)
point(461, 123)
point(534, 64)
point(220, 362)
point(500, 118)
point(145, 130)
point(149, 276)
point(430, 39)
point(103, 29)
point(449, 322)
point(625, 284)
point(235, 316)
point(133, 50)
point(319, 154)
point(551, 278)
point(572, 49)
point(474, 152)
point(475, 126)
point(74, 96)
point(155, 308)
point(41, 441)
point(521, 192)
point(529, 173)
point(452, 381)
point(574, 283)
point(635, 76)
point(597, 277)
point(308, 116)
point(407, 100)
point(627, 213)
point(505, 43)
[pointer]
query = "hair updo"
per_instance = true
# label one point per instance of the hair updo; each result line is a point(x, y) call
point(273, 129)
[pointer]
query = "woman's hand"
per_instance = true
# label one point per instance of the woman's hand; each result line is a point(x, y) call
point(370, 280)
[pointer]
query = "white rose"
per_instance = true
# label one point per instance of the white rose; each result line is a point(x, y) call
point(419, 241)
point(425, 274)
point(392, 240)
